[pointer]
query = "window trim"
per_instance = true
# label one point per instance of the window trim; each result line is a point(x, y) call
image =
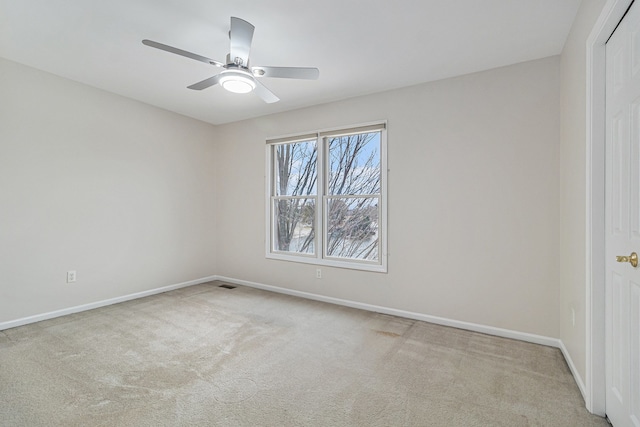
point(319, 258)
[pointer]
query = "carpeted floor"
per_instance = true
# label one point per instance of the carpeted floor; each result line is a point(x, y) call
point(209, 356)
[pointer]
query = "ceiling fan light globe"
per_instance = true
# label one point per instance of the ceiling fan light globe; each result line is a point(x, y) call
point(238, 86)
point(237, 82)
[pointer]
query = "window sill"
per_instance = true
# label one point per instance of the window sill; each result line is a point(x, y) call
point(351, 265)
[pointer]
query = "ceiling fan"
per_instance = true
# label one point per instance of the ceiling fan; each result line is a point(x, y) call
point(238, 76)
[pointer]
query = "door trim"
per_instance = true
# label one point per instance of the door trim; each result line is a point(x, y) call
point(595, 381)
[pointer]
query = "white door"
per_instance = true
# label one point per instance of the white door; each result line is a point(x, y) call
point(623, 222)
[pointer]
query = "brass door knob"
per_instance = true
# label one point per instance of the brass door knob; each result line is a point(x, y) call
point(631, 259)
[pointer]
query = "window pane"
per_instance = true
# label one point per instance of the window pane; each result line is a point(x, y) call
point(325, 197)
point(296, 171)
point(354, 164)
point(352, 229)
point(295, 225)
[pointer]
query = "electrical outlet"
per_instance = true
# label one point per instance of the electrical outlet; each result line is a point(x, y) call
point(318, 273)
point(71, 276)
point(573, 317)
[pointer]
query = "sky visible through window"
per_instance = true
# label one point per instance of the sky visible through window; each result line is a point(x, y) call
point(353, 178)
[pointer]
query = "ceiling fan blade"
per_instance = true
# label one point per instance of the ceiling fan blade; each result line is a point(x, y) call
point(307, 73)
point(240, 35)
point(205, 83)
point(264, 93)
point(181, 52)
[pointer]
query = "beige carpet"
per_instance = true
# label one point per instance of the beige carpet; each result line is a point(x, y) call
point(209, 356)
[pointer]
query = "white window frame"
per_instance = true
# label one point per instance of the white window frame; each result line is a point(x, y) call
point(319, 257)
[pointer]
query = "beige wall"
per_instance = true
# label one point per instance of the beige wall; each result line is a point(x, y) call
point(473, 199)
point(134, 198)
point(117, 190)
point(573, 184)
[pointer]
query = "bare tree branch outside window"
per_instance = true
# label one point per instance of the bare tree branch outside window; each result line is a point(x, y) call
point(352, 193)
point(297, 176)
point(353, 190)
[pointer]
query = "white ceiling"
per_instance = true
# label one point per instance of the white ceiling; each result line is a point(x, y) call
point(360, 46)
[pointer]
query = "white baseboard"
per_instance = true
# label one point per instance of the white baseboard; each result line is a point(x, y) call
point(572, 368)
point(489, 330)
point(91, 306)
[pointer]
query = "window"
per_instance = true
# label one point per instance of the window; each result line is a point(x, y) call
point(327, 198)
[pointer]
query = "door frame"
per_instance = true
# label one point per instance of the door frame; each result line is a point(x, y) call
point(595, 381)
